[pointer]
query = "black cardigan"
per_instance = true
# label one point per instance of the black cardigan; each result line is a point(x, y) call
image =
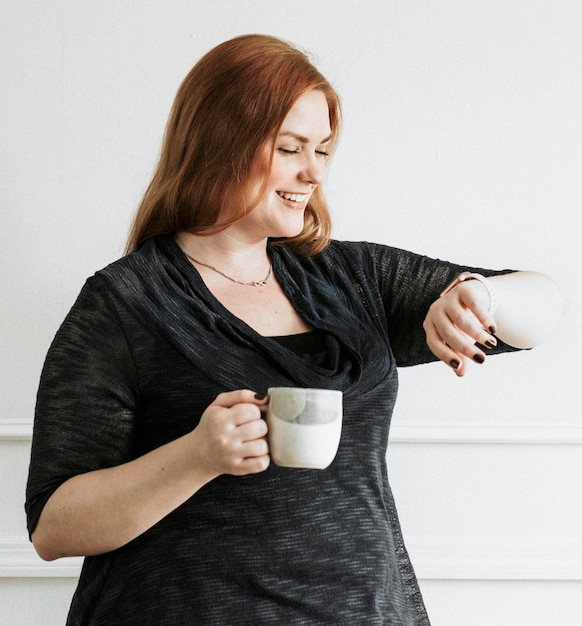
point(142, 353)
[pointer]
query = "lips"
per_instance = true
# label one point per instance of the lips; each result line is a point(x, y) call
point(293, 197)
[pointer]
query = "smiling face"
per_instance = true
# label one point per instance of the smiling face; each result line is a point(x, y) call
point(298, 167)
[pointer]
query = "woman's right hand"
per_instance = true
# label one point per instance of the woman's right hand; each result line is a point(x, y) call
point(231, 435)
point(101, 510)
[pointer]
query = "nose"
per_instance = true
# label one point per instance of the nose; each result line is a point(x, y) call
point(313, 170)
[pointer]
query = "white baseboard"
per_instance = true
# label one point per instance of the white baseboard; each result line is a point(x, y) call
point(434, 558)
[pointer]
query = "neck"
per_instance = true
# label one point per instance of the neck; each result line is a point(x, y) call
point(226, 252)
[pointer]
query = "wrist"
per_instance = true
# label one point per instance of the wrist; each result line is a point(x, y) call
point(466, 276)
point(199, 462)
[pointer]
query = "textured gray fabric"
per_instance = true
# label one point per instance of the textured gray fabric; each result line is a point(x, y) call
point(146, 348)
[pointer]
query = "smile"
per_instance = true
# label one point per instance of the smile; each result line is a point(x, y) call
point(294, 197)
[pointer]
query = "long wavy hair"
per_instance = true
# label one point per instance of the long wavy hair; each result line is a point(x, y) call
point(230, 105)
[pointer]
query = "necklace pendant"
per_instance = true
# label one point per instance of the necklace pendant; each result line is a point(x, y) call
point(258, 283)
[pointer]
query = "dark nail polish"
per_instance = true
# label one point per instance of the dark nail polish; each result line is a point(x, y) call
point(478, 358)
point(260, 396)
point(492, 330)
point(455, 364)
point(490, 344)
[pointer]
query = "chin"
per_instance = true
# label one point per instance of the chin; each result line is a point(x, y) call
point(289, 233)
point(285, 230)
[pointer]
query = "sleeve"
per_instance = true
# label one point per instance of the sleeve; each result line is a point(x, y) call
point(409, 284)
point(84, 418)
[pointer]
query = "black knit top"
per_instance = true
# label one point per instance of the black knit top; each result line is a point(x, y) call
point(146, 348)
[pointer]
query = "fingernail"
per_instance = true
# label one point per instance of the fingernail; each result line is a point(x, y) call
point(490, 344)
point(478, 358)
point(454, 364)
point(260, 396)
point(492, 330)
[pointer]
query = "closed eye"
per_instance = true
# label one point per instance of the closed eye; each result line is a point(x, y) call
point(289, 150)
point(322, 153)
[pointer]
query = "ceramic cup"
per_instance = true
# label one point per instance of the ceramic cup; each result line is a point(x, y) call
point(304, 426)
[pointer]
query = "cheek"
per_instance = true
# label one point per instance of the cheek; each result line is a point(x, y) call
point(281, 171)
point(269, 178)
point(256, 189)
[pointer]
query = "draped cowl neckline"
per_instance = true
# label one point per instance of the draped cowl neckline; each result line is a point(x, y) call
point(167, 294)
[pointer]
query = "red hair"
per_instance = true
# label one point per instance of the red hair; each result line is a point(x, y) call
point(232, 102)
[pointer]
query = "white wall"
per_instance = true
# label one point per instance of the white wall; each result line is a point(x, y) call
point(462, 140)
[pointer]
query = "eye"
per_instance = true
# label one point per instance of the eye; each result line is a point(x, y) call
point(289, 150)
point(292, 151)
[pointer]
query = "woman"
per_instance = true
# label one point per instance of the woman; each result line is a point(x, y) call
point(149, 453)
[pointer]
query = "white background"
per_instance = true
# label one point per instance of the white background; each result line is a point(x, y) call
point(462, 140)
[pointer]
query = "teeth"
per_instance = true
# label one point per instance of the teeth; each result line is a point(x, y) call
point(294, 197)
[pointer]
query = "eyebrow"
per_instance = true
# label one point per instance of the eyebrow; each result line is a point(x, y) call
point(301, 138)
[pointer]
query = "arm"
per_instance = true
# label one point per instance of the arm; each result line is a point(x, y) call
point(530, 305)
point(102, 510)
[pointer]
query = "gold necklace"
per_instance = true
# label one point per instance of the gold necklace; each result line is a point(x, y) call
point(253, 283)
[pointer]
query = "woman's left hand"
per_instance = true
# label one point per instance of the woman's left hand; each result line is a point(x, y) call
point(457, 322)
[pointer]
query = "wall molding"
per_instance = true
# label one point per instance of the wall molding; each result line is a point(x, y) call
point(434, 558)
point(526, 434)
point(496, 558)
point(19, 560)
point(417, 433)
point(15, 430)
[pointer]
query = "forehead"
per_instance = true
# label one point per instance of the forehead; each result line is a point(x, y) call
point(309, 117)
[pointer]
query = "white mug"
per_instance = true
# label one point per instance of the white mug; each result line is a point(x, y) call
point(304, 426)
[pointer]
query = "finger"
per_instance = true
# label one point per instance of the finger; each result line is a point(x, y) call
point(253, 449)
point(480, 308)
point(469, 332)
point(228, 399)
point(454, 338)
point(439, 347)
point(252, 465)
point(479, 327)
point(252, 430)
point(243, 405)
point(241, 414)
